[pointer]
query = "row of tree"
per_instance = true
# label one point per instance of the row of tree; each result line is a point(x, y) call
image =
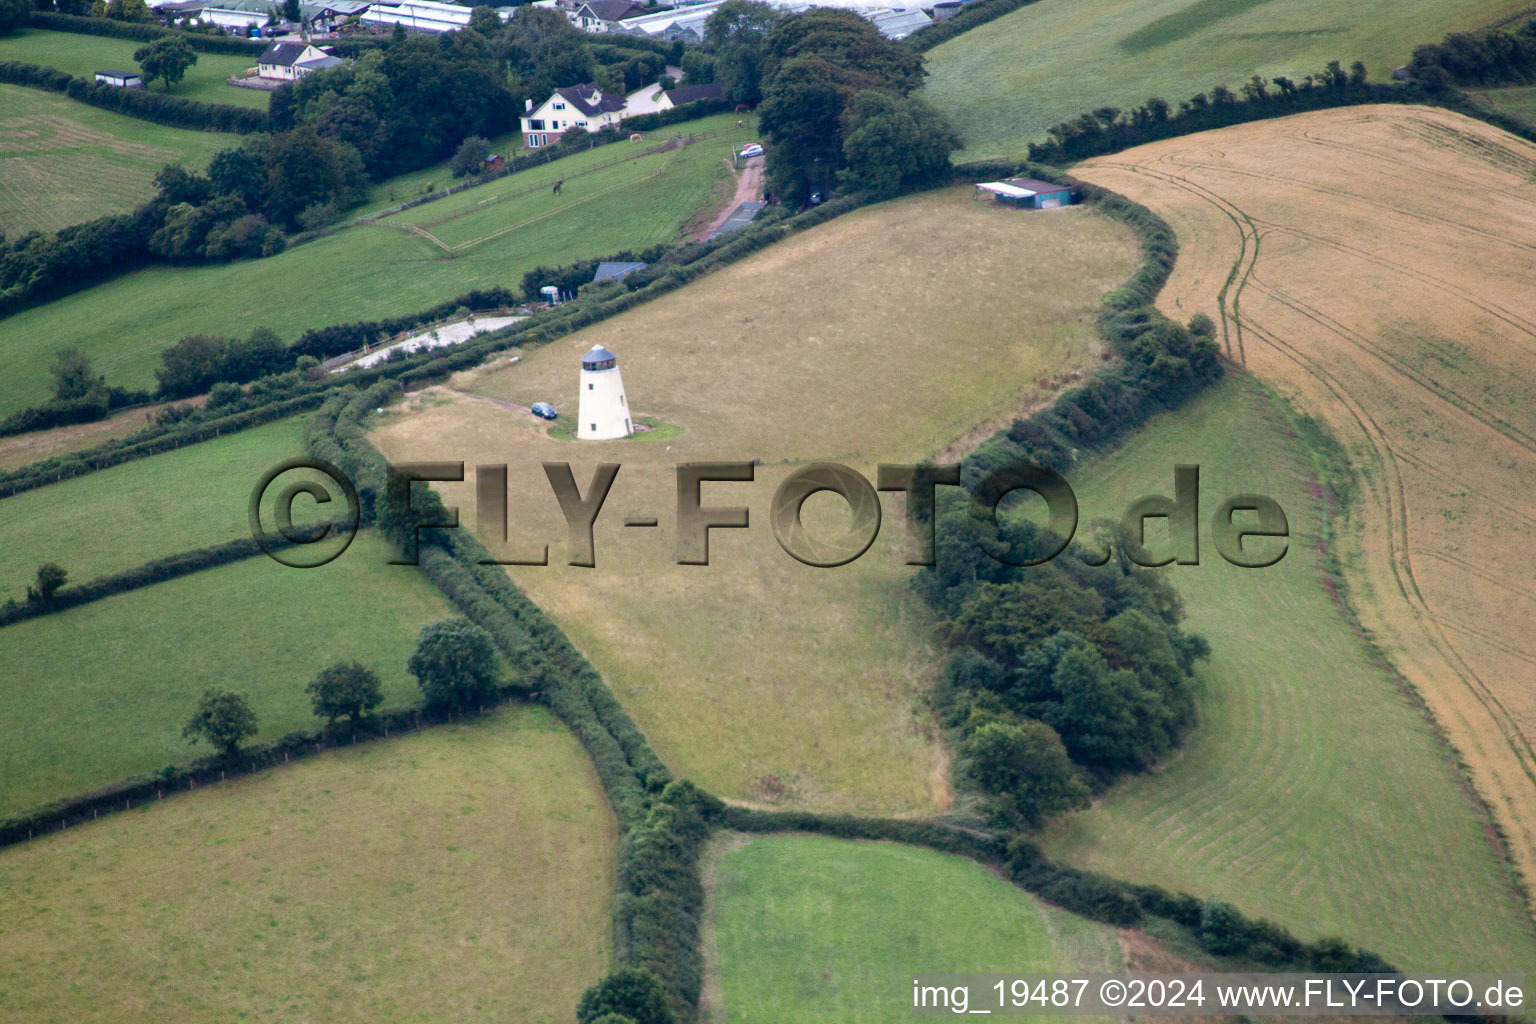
point(455, 664)
point(1494, 56)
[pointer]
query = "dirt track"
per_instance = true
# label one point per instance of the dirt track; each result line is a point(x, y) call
point(1376, 264)
point(749, 189)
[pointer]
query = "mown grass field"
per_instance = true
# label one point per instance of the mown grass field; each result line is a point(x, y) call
point(126, 515)
point(812, 929)
point(1312, 792)
point(63, 162)
point(366, 272)
point(83, 56)
point(1380, 261)
point(460, 873)
point(1006, 82)
point(101, 691)
point(883, 336)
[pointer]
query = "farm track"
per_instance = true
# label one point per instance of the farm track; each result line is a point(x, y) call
point(1417, 429)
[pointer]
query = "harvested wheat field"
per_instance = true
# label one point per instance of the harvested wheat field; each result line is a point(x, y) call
point(1376, 264)
point(882, 336)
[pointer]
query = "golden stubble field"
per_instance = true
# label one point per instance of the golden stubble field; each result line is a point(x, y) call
point(884, 336)
point(1377, 264)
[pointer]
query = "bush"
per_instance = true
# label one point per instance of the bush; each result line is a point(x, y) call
point(629, 994)
point(455, 665)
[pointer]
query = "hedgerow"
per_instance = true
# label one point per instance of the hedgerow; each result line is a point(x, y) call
point(144, 32)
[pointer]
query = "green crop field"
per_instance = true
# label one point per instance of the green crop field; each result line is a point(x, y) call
point(126, 515)
point(1006, 82)
point(366, 272)
point(101, 691)
point(1312, 792)
point(813, 929)
point(63, 162)
point(460, 873)
point(83, 56)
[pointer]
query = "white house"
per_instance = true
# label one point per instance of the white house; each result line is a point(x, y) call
point(605, 15)
point(288, 61)
point(588, 108)
point(603, 411)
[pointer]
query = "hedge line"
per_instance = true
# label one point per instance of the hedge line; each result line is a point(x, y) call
point(978, 12)
point(142, 32)
point(325, 342)
point(172, 111)
point(1218, 927)
point(157, 571)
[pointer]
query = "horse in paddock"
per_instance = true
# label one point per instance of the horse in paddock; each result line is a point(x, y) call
point(558, 184)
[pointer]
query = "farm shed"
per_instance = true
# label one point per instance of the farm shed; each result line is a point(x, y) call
point(1026, 193)
point(615, 271)
point(121, 79)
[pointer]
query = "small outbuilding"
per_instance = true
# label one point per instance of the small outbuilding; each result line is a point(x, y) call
point(121, 79)
point(1026, 193)
point(615, 271)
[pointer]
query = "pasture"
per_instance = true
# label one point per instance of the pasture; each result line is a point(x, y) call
point(885, 335)
point(63, 162)
point(460, 873)
point(1005, 83)
point(83, 56)
point(1380, 261)
point(1313, 791)
point(1517, 101)
point(371, 271)
point(100, 692)
point(126, 515)
point(808, 928)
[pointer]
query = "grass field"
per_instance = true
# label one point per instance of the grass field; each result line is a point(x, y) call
point(1313, 792)
point(884, 335)
point(1005, 83)
point(1519, 101)
point(101, 691)
point(124, 516)
point(461, 873)
point(83, 56)
point(1380, 261)
point(808, 928)
point(367, 272)
point(63, 162)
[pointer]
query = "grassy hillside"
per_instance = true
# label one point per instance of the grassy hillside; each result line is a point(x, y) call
point(1006, 82)
point(1520, 101)
point(101, 692)
point(63, 162)
point(363, 273)
point(813, 929)
point(1410, 328)
point(84, 55)
point(462, 873)
point(129, 514)
point(1313, 792)
point(884, 335)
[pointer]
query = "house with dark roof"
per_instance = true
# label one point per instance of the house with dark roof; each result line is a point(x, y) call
point(281, 60)
point(582, 107)
point(605, 15)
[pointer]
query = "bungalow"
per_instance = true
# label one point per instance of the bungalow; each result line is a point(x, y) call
point(282, 60)
point(605, 15)
point(653, 98)
point(121, 79)
point(584, 107)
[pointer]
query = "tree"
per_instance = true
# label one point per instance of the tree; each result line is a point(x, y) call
point(470, 157)
point(397, 35)
point(455, 664)
point(735, 35)
point(13, 15)
point(1029, 763)
point(485, 20)
point(223, 718)
point(292, 11)
point(345, 690)
point(166, 58)
point(190, 366)
point(74, 377)
point(630, 992)
point(50, 577)
point(894, 144)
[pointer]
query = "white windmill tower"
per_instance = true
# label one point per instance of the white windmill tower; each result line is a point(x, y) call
point(604, 412)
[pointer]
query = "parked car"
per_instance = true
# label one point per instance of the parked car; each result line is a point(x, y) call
point(751, 149)
point(544, 410)
point(815, 199)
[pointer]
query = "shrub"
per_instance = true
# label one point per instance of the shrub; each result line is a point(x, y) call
point(630, 993)
point(455, 664)
point(223, 718)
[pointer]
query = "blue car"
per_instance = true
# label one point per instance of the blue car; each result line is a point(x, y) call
point(544, 410)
